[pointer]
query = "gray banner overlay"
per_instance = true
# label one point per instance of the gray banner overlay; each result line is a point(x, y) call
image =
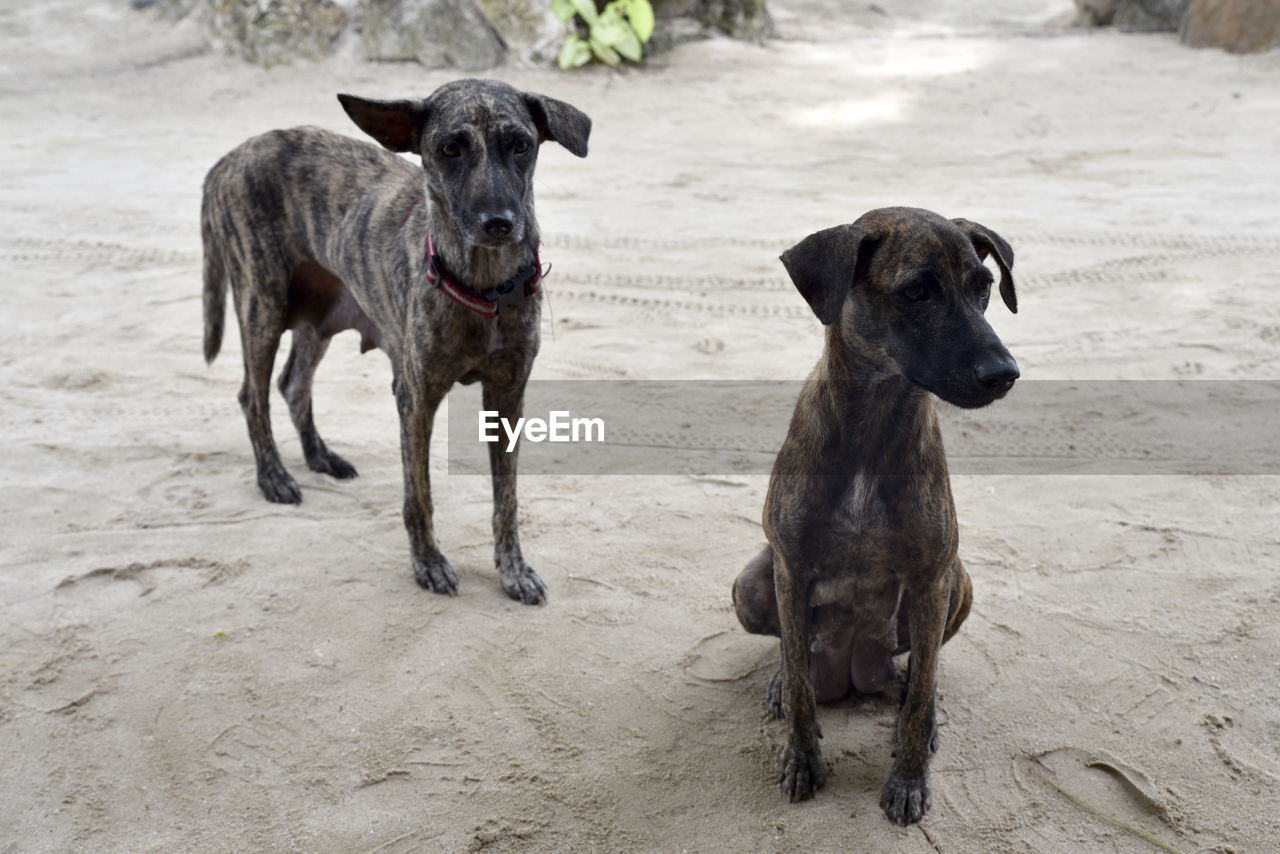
point(717, 428)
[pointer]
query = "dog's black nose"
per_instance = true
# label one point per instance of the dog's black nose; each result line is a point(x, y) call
point(497, 226)
point(996, 371)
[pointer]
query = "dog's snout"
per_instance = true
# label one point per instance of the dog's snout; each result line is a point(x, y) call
point(498, 224)
point(997, 371)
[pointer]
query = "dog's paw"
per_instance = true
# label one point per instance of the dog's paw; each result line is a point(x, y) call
point(436, 574)
point(327, 462)
point(800, 772)
point(773, 697)
point(279, 488)
point(905, 799)
point(523, 584)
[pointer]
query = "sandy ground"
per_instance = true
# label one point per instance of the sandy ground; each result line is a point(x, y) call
point(184, 667)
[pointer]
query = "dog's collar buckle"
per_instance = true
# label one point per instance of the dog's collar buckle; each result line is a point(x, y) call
point(487, 303)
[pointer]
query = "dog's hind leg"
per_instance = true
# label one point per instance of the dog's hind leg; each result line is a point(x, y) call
point(756, 605)
point(295, 384)
point(754, 599)
point(261, 325)
point(960, 600)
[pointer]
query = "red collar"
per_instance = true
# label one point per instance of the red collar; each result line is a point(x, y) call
point(525, 283)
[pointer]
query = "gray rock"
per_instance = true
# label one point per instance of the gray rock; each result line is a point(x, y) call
point(436, 33)
point(1139, 16)
point(173, 9)
point(1239, 26)
point(680, 21)
point(1096, 13)
point(741, 19)
point(274, 32)
point(521, 22)
point(390, 31)
point(1151, 16)
point(669, 33)
point(528, 27)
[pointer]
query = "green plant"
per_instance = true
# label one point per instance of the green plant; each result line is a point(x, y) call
point(611, 34)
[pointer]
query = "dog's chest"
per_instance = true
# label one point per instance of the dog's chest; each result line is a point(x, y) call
point(861, 510)
point(879, 523)
point(468, 347)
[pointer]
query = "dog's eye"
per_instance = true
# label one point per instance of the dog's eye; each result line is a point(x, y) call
point(916, 292)
point(450, 149)
point(521, 147)
point(986, 296)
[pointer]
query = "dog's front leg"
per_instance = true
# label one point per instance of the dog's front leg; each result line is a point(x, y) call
point(800, 772)
point(906, 796)
point(417, 403)
point(504, 393)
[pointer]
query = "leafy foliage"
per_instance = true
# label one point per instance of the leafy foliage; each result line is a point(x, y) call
point(612, 33)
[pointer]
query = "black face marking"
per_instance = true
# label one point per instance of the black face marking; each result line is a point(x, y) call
point(478, 158)
point(980, 284)
point(919, 286)
point(915, 284)
point(930, 319)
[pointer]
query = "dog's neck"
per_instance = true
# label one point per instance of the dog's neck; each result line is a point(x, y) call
point(877, 416)
point(480, 267)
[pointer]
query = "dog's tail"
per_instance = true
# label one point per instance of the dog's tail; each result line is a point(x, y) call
point(215, 284)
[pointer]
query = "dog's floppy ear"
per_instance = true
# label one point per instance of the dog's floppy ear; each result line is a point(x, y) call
point(823, 266)
point(987, 242)
point(559, 122)
point(397, 125)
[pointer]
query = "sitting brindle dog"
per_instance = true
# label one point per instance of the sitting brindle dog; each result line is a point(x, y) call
point(436, 266)
point(861, 563)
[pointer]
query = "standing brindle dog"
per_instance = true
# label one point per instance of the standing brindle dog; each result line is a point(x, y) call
point(437, 266)
point(861, 563)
